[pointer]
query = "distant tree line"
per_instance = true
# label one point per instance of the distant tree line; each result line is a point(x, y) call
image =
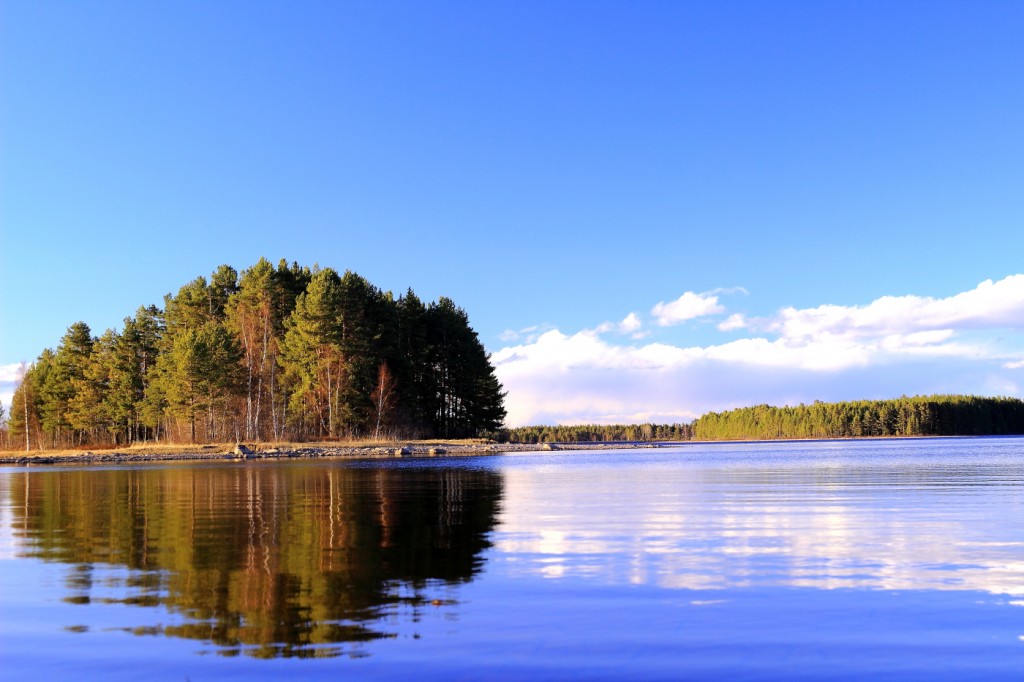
point(597, 433)
point(935, 415)
point(276, 353)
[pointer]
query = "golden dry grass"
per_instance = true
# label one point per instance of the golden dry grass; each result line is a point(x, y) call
point(211, 448)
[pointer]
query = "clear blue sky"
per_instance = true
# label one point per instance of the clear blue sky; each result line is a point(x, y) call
point(551, 166)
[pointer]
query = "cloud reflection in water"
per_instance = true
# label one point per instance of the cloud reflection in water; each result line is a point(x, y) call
point(945, 524)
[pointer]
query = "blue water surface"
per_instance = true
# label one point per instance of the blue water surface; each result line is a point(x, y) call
point(829, 560)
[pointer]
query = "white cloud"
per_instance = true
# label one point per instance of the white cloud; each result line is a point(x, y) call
point(990, 304)
point(732, 323)
point(630, 324)
point(687, 307)
point(892, 346)
point(583, 379)
point(527, 333)
point(730, 290)
point(9, 373)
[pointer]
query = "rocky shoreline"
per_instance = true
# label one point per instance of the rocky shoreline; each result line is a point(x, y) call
point(270, 452)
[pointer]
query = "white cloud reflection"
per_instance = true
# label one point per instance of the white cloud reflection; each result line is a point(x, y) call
point(705, 528)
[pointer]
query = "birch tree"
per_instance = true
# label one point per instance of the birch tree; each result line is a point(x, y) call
point(253, 316)
point(383, 399)
point(24, 410)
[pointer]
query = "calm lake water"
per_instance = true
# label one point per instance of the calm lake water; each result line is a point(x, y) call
point(899, 560)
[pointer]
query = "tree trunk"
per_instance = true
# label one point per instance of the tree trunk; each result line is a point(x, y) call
point(24, 402)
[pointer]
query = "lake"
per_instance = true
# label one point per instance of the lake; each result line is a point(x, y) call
point(834, 560)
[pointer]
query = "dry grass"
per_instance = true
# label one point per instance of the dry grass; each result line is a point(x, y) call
point(213, 448)
point(139, 449)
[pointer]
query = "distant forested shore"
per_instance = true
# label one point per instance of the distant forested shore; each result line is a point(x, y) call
point(597, 433)
point(275, 353)
point(935, 415)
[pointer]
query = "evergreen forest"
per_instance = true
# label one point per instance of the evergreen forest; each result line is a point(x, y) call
point(597, 433)
point(935, 415)
point(275, 353)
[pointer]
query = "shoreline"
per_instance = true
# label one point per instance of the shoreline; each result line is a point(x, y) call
point(233, 453)
point(435, 449)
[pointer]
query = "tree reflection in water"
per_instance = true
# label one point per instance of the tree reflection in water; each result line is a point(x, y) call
point(279, 560)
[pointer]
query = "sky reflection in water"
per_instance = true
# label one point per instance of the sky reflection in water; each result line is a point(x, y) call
point(882, 515)
point(797, 561)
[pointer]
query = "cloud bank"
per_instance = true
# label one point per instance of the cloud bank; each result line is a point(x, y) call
point(967, 343)
point(8, 382)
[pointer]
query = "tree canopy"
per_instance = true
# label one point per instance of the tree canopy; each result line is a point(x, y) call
point(273, 353)
point(935, 415)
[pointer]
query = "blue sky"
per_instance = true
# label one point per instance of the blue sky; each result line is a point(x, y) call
point(559, 169)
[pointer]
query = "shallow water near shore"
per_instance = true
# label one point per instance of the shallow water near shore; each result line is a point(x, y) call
point(882, 559)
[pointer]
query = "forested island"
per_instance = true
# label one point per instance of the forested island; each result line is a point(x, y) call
point(275, 353)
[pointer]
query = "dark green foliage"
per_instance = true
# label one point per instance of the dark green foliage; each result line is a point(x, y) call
point(465, 397)
point(937, 415)
point(311, 356)
point(290, 352)
point(199, 374)
point(596, 433)
point(256, 314)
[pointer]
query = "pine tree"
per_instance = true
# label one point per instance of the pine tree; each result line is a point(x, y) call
point(200, 373)
point(88, 408)
point(60, 383)
point(137, 353)
point(411, 364)
point(198, 368)
point(466, 395)
point(311, 355)
point(366, 316)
